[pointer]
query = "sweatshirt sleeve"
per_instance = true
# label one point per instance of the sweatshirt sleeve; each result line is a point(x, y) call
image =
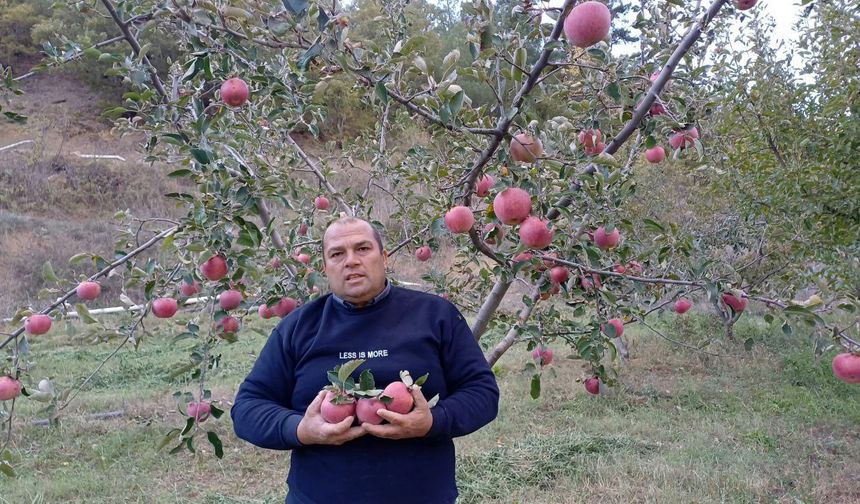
point(262, 411)
point(473, 399)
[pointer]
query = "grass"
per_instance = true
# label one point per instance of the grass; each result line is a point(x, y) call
point(770, 425)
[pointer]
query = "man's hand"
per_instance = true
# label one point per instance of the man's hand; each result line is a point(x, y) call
point(313, 429)
point(416, 423)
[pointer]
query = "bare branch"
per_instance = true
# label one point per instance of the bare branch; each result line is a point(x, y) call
point(322, 178)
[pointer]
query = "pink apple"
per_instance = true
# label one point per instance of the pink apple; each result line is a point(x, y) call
point(189, 289)
point(303, 258)
point(459, 219)
point(88, 290)
point(336, 413)
point(535, 234)
point(737, 304)
point(543, 355)
point(234, 92)
point(619, 268)
point(366, 408)
point(215, 268)
point(164, 307)
point(482, 189)
point(285, 306)
point(559, 274)
point(512, 205)
point(199, 411)
point(846, 367)
point(10, 388)
point(655, 154)
point(618, 325)
point(525, 148)
point(587, 24)
point(265, 312)
point(230, 299)
point(498, 236)
point(303, 229)
point(684, 139)
point(321, 203)
point(37, 324)
point(401, 397)
point(635, 268)
point(423, 253)
point(682, 305)
point(592, 385)
point(227, 325)
point(606, 241)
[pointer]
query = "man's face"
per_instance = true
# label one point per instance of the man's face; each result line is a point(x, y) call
point(353, 263)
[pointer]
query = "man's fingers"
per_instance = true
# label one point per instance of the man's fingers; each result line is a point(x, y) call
point(391, 416)
point(420, 400)
point(353, 433)
point(383, 431)
point(314, 406)
point(343, 425)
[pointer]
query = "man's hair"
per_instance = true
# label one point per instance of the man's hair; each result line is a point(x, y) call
point(352, 220)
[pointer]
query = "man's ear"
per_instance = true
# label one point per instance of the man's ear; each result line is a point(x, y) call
point(385, 258)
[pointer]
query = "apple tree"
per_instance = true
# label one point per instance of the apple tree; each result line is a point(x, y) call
point(530, 128)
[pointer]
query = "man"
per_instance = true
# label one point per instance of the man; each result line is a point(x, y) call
point(408, 459)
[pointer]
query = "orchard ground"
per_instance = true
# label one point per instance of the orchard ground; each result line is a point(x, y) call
point(770, 425)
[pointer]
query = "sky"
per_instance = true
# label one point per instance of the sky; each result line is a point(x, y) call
point(785, 13)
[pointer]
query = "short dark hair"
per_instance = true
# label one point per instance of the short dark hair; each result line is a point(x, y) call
point(352, 220)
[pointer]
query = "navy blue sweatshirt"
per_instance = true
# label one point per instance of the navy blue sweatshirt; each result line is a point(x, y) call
point(405, 330)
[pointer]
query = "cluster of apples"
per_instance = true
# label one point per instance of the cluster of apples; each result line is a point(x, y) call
point(344, 398)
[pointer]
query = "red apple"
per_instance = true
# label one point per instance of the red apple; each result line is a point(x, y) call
point(37, 324)
point(525, 148)
point(682, 305)
point(459, 219)
point(285, 306)
point(592, 385)
point(303, 229)
point(606, 241)
point(745, 4)
point(10, 388)
point(303, 258)
point(684, 139)
point(164, 307)
point(657, 109)
point(265, 312)
point(559, 274)
point(215, 268)
point(336, 413)
point(482, 189)
point(321, 203)
point(498, 235)
point(635, 268)
point(227, 325)
point(535, 234)
point(619, 268)
point(512, 205)
point(189, 289)
point(230, 299)
point(234, 92)
point(275, 263)
point(590, 137)
point(365, 411)
point(88, 290)
point(401, 397)
point(587, 24)
point(655, 154)
point(846, 367)
point(738, 305)
point(543, 355)
point(522, 257)
point(423, 253)
point(199, 411)
point(618, 325)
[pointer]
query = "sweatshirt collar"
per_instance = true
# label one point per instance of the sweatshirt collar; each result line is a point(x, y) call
point(379, 297)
